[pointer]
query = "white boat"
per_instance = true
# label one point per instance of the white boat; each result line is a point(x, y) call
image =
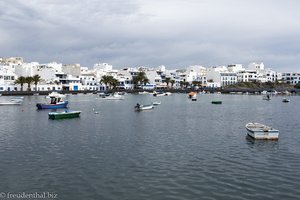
point(194, 98)
point(158, 94)
point(155, 103)
point(285, 100)
point(139, 107)
point(11, 102)
point(261, 131)
point(114, 97)
point(55, 95)
point(144, 92)
point(266, 97)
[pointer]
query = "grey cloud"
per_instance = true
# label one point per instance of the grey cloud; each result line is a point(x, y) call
point(139, 32)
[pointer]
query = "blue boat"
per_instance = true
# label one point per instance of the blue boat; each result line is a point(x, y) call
point(52, 106)
point(56, 102)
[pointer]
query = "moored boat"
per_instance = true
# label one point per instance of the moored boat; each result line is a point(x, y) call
point(261, 131)
point(56, 101)
point(191, 94)
point(160, 93)
point(144, 92)
point(285, 100)
point(216, 102)
point(266, 97)
point(11, 102)
point(155, 103)
point(63, 115)
point(139, 107)
point(114, 97)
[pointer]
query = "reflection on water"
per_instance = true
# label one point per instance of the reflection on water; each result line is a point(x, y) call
point(179, 150)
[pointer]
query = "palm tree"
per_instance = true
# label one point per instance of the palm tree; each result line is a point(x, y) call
point(172, 82)
point(140, 78)
point(168, 80)
point(182, 83)
point(21, 80)
point(186, 84)
point(105, 80)
point(36, 78)
point(145, 81)
point(114, 83)
point(28, 80)
point(135, 81)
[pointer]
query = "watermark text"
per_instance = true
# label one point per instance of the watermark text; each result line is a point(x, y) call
point(26, 195)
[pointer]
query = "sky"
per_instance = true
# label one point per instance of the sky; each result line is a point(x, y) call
point(174, 33)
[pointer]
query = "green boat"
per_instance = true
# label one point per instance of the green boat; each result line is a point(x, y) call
point(64, 115)
point(216, 102)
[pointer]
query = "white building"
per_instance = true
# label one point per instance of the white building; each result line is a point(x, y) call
point(256, 66)
point(235, 68)
point(89, 81)
point(291, 78)
point(26, 69)
point(7, 79)
point(247, 76)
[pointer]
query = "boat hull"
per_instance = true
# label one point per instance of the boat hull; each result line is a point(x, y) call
point(9, 103)
point(262, 133)
point(64, 115)
point(216, 102)
point(52, 106)
point(141, 108)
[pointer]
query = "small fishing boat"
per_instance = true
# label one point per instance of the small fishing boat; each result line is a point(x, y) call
point(155, 103)
point(216, 102)
point(193, 96)
point(158, 94)
point(285, 100)
point(115, 96)
point(267, 97)
point(144, 92)
point(56, 101)
point(14, 101)
point(139, 107)
point(261, 131)
point(63, 115)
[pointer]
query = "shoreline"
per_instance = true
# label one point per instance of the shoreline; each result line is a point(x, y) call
point(210, 90)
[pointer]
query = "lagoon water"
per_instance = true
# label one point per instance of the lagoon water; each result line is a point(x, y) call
point(179, 150)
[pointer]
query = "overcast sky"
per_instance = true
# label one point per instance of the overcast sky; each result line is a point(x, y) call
point(174, 33)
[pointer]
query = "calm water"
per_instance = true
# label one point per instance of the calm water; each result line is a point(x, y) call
point(179, 150)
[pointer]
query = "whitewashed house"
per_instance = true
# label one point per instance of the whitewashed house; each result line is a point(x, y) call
point(7, 79)
point(292, 78)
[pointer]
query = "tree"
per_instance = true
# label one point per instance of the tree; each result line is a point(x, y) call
point(109, 81)
point(181, 83)
point(297, 86)
point(21, 80)
point(35, 79)
point(106, 80)
point(145, 81)
point(114, 83)
point(186, 84)
point(172, 82)
point(168, 79)
point(139, 79)
point(28, 80)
